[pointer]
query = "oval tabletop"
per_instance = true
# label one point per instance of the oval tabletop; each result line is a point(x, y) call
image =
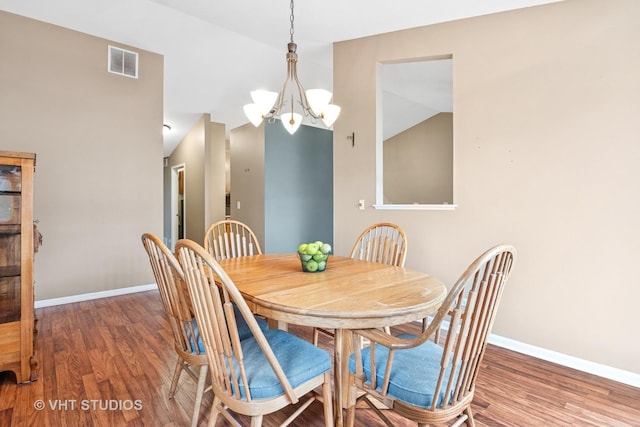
point(349, 294)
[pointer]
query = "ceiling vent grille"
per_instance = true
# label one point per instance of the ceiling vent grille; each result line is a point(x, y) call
point(123, 62)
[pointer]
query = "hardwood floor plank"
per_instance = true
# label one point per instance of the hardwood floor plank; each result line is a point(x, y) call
point(589, 417)
point(93, 391)
point(121, 349)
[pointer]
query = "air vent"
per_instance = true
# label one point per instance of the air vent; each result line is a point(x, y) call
point(123, 62)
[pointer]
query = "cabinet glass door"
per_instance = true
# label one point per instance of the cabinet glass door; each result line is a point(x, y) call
point(10, 202)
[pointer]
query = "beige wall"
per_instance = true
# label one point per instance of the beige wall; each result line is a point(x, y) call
point(98, 141)
point(546, 104)
point(215, 174)
point(191, 153)
point(202, 152)
point(247, 177)
point(418, 163)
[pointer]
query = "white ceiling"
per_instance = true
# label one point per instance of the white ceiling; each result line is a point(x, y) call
point(216, 52)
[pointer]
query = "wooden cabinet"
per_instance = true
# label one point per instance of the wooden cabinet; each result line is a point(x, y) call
point(16, 265)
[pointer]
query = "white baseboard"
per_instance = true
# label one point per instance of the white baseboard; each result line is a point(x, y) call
point(598, 369)
point(94, 295)
point(604, 371)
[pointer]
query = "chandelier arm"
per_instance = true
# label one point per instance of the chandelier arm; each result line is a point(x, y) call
point(275, 110)
point(303, 96)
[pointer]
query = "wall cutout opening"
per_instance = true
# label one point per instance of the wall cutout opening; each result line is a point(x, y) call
point(414, 144)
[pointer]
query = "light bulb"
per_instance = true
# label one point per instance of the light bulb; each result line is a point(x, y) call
point(252, 111)
point(291, 122)
point(264, 99)
point(330, 114)
point(318, 100)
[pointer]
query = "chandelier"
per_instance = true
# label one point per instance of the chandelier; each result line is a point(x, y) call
point(313, 103)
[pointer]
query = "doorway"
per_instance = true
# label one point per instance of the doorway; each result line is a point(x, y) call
point(178, 196)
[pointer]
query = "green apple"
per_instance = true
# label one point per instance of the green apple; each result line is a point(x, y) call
point(322, 265)
point(325, 248)
point(305, 257)
point(319, 257)
point(302, 248)
point(312, 249)
point(312, 266)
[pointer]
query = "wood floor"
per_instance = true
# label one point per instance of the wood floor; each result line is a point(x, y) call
point(109, 362)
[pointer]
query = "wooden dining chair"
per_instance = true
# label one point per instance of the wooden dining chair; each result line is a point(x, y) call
point(177, 307)
point(428, 382)
point(230, 239)
point(383, 242)
point(261, 374)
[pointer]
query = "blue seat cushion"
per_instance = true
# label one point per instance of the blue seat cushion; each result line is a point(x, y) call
point(300, 361)
point(414, 373)
point(243, 329)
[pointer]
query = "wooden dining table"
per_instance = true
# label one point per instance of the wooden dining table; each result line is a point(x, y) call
point(349, 294)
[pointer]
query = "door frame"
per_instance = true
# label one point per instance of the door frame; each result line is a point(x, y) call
point(175, 200)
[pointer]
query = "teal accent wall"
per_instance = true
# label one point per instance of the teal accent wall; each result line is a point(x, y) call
point(298, 187)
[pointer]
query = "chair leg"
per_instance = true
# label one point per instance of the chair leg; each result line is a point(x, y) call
point(176, 377)
point(327, 400)
point(256, 421)
point(352, 401)
point(470, 421)
point(202, 379)
point(213, 414)
point(351, 416)
point(315, 336)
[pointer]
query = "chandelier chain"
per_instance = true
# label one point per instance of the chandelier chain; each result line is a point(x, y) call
point(291, 20)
